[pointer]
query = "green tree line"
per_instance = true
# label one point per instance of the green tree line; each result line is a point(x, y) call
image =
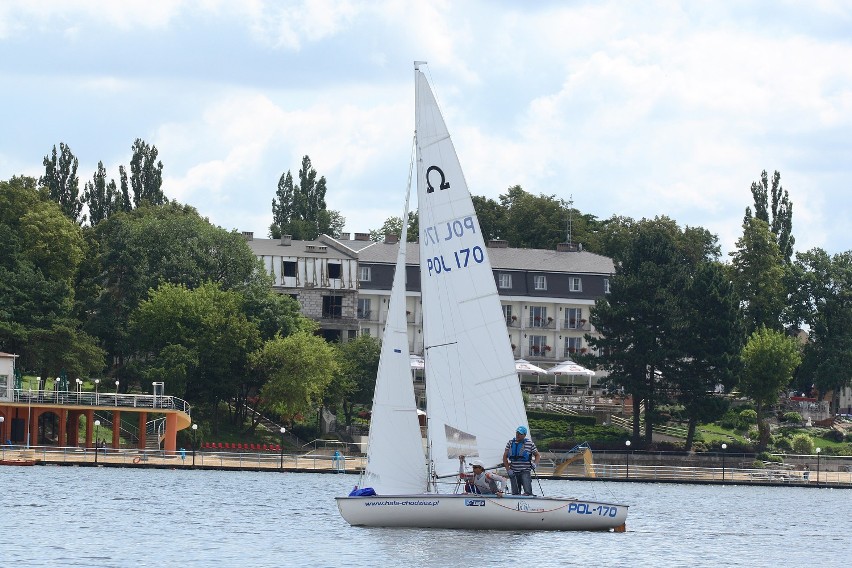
point(119, 281)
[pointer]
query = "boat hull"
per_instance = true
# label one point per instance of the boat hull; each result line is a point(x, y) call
point(482, 512)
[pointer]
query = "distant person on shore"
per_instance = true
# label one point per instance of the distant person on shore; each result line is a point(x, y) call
point(480, 481)
point(519, 459)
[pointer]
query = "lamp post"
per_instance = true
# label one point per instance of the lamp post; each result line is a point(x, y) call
point(283, 429)
point(79, 390)
point(97, 425)
point(116, 393)
point(818, 451)
point(2, 420)
point(97, 382)
point(724, 447)
point(194, 434)
point(627, 458)
point(29, 407)
point(56, 389)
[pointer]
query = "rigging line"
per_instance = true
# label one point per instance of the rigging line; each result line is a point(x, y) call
point(436, 141)
point(440, 345)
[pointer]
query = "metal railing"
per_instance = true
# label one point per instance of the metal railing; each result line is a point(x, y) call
point(168, 402)
point(183, 457)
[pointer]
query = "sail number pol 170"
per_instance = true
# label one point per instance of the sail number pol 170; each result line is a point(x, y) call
point(460, 259)
point(585, 509)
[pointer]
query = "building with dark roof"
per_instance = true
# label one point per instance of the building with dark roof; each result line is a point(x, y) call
point(344, 284)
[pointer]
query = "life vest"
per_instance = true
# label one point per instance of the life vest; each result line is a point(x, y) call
point(517, 453)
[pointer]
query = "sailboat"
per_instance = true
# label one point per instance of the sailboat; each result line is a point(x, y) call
point(473, 395)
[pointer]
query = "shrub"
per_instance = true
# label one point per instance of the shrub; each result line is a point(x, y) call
point(753, 434)
point(748, 417)
point(757, 464)
point(783, 444)
point(792, 417)
point(729, 420)
point(767, 457)
point(802, 444)
point(834, 435)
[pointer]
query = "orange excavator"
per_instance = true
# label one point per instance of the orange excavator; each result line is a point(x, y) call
point(578, 452)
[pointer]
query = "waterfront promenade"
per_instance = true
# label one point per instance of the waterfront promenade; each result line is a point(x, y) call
point(831, 472)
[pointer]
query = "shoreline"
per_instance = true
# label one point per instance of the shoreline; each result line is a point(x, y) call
point(326, 464)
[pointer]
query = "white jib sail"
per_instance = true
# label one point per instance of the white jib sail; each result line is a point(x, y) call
point(396, 463)
point(473, 396)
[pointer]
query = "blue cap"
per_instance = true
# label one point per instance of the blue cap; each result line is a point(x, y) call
point(522, 430)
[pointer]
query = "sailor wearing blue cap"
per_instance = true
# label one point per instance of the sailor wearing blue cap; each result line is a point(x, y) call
point(519, 459)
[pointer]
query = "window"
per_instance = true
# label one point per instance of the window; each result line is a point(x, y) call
point(365, 331)
point(332, 307)
point(573, 318)
point(575, 284)
point(538, 345)
point(289, 268)
point(573, 345)
point(504, 281)
point(364, 274)
point(507, 315)
point(538, 316)
point(364, 308)
point(540, 282)
point(606, 285)
point(335, 270)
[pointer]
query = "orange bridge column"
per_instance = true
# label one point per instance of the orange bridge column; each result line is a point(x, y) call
point(63, 428)
point(143, 420)
point(71, 431)
point(90, 421)
point(171, 433)
point(116, 429)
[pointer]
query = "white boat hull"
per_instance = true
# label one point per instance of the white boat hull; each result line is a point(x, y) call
point(482, 512)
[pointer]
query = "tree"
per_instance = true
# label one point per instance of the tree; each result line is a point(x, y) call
point(492, 218)
point(300, 210)
point(758, 275)
point(63, 185)
point(710, 345)
point(640, 316)
point(146, 175)
point(42, 250)
point(296, 371)
point(393, 226)
point(780, 217)
point(197, 340)
point(824, 292)
point(355, 382)
point(533, 222)
point(137, 251)
point(769, 359)
point(102, 198)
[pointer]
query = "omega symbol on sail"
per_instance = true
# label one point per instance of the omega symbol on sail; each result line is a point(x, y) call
point(444, 183)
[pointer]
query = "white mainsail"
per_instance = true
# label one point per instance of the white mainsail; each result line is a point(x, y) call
point(396, 462)
point(473, 396)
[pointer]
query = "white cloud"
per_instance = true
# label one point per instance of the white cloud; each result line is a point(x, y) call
point(635, 109)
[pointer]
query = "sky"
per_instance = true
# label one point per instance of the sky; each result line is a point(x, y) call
point(635, 109)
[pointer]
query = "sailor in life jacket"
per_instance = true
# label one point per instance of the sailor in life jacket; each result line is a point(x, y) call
point(520, 458)
point(480, 481)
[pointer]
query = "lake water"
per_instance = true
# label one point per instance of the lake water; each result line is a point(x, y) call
point(71, 516)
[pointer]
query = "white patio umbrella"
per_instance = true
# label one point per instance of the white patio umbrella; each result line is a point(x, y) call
point(570, 368)
point(417, 362)
point(524, 367)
